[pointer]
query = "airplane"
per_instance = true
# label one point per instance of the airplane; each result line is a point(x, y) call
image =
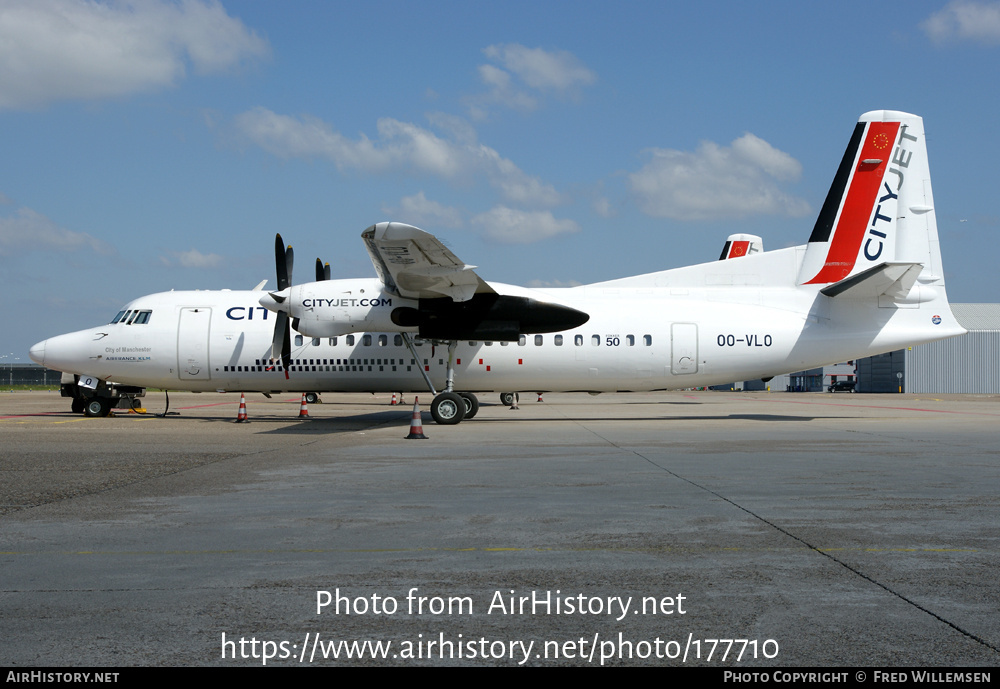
point(869, 280)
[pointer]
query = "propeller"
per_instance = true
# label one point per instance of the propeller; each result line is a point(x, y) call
point(281, 343)
point(322, 271)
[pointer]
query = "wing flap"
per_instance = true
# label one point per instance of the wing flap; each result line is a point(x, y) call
point(416, 265)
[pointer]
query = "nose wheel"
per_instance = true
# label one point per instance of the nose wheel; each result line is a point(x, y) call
point(98, 406)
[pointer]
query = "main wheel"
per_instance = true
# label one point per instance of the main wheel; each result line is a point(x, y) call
point(312, 397)
point(98, 406)
point(508, 398)
point(471, 404)
point(448, 408)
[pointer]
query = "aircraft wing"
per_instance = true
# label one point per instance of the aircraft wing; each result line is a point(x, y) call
point(416, 265)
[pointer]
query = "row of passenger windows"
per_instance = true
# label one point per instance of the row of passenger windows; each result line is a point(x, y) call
point(267, 365)
point(539, 340)
point(132, 317)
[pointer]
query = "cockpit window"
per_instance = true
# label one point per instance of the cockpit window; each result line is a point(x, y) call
point(132, 317)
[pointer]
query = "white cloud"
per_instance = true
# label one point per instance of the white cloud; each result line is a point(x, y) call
point(525, 69)
point(603, 207)
point(541, 69)
point(421, 211)
point(191, 259)
point(513, 182)
point(511, 226)
point(718, 182)
point(399, 146)
point(54, 50)
point(965, 20)
point(27, 230)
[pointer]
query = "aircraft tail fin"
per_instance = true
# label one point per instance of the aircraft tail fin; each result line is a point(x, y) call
point(879, 212)
point(738, 245)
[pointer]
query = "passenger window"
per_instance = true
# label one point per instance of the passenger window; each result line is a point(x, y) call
point(366, 340)
point(521, 341)
point(397, 340)
point(350, 340)
point(315, 342)
point(578, 340)
point(298, 340)
point(595, 340)
point(558, 340)
point(333, 341)
point(630, 340)
point(383, 340)
point(538, 340)
point(647, 340)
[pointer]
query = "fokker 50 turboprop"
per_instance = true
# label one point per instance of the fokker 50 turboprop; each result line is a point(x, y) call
point(869, 280)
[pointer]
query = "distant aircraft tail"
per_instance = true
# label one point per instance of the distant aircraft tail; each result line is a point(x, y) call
point(876, 234)
point(738, 245)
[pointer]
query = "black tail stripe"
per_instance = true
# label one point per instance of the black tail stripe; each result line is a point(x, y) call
point(824, 223)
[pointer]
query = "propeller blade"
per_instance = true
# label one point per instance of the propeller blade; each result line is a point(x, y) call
point(280, 266)
point(286, 348)
point(320, 274)
point(281, 342)
point(326, 271)
point(280, 334)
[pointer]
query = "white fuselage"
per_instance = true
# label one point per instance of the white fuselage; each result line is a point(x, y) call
point(668, 330)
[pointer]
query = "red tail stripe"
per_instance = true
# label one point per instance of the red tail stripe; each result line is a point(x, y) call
point(858, 203)
point(739, 249)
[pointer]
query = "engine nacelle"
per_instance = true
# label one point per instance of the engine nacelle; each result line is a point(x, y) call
point(338, 307)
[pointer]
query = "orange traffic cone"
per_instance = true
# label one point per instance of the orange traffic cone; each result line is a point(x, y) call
point(416, 424)
point(241, 416)
point(393, 402)
point(303, 408)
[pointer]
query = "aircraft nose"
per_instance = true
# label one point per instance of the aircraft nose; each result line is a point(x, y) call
point(37, 352)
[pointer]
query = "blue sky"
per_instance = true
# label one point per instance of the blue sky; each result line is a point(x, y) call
point(154, 145)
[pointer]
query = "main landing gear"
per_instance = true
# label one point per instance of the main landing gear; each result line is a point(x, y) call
point(509, 399)
point(449, 407)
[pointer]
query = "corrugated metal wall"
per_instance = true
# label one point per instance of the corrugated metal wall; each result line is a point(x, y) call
point(969, 364)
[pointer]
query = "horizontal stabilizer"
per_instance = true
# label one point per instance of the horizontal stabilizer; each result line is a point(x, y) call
point(890, 279)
